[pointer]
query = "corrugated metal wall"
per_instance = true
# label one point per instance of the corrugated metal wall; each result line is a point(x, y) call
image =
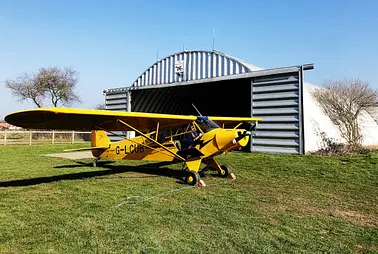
point(118, 100)
point(277, 100)
point(196, 65)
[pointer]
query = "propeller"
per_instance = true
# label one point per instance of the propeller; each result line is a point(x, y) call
point(243, 134)
point(196, 109)
point(250, 126)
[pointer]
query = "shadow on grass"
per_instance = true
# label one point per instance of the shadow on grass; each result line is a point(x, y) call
point(153, 170)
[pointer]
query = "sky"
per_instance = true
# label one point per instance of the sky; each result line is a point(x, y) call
point(110, 43)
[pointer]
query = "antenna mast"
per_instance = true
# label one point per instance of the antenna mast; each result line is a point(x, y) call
point(213, 38)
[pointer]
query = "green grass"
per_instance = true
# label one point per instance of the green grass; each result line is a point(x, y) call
point(278, 203)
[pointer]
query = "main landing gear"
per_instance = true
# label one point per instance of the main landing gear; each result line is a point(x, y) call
point(192, 178)
point(192, 174)
point(224, 171)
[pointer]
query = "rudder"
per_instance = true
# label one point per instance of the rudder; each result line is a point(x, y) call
point(99, 139)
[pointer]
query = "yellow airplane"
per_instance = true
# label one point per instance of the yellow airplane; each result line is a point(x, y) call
point(160, 137)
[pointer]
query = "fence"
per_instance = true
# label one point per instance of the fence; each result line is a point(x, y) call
point(43, 137)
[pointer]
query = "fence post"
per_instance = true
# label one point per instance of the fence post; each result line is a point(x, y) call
point(73, 137)
point(30, 139)
point(53, 137)
point(5, 138)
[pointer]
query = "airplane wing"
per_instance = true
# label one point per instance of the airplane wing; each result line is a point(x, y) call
point(90, 119)
point(220, 120)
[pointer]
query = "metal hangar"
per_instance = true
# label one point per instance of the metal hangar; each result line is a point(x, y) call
point(221, 85)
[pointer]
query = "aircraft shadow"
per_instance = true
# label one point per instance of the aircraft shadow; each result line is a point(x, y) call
point(153, 170)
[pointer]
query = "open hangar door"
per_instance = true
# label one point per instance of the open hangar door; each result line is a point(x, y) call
point(211, 99)
point(222, 98)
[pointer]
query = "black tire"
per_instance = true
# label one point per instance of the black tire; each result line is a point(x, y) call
point(225, 171)
point(192, 178)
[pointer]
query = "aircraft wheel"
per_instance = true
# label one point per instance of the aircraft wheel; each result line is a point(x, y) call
point(225, 171)
point(192, 178)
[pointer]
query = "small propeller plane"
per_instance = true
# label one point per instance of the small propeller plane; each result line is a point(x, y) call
point(159, 137)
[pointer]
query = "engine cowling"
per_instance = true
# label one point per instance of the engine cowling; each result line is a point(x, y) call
point(229, 139)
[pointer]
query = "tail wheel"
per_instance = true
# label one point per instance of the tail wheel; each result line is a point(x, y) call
point(94, 163)
point(192, 178)
point(225, 171)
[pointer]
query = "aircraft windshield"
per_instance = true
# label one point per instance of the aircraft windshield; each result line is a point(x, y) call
point(206, 124)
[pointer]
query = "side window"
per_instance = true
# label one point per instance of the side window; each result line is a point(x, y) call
point(205, 127)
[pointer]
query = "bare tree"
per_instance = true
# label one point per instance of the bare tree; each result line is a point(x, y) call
point(24, 88)
point(53, 84)
point(343, 101)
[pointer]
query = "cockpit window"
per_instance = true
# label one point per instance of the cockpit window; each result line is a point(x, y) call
point(206, 124)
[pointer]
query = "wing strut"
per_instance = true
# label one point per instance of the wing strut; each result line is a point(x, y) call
point(152, 140)
point(131, 140)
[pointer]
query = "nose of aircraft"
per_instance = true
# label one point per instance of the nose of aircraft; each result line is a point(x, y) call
point(242, 137)
point(232, 138)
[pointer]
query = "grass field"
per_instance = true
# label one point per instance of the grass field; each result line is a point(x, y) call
point(278, 203)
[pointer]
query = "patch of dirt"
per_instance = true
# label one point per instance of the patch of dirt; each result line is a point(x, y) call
point(360, 218)
point(71, 156)
point(299, 206)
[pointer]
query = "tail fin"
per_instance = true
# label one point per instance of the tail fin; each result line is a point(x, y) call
point(99, 139)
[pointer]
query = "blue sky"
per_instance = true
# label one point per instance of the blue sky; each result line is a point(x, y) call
point(110, 43)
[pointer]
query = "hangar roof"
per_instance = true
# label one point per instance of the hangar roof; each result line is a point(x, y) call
point(189, 66)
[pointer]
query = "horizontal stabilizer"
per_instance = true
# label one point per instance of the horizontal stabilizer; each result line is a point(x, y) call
point(87, 149)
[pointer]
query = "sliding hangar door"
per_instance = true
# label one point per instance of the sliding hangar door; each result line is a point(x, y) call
point(220, 85)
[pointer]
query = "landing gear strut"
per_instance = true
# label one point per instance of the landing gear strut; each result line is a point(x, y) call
point(223, 170)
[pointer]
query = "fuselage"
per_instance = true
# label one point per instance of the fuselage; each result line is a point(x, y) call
point(211, 143)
